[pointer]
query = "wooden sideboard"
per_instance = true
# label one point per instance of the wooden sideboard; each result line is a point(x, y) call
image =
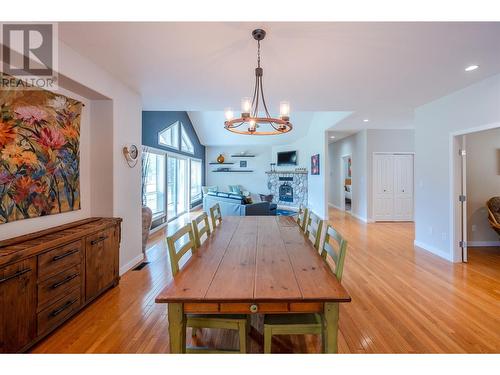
point(48, 276)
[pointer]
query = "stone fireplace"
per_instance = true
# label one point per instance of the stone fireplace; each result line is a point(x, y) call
point(288, 187)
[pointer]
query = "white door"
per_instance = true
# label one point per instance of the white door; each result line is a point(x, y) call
point(383, 180)
point(403, 187)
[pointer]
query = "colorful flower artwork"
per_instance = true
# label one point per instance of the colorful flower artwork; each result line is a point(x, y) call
point(39, 154)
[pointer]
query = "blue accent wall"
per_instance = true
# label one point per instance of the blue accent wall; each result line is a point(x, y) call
point(154, 122)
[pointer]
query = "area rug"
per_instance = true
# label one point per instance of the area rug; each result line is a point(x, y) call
point(280, 212)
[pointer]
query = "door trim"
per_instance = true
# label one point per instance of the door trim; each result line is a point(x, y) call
point(454, 188)
point(342, 190)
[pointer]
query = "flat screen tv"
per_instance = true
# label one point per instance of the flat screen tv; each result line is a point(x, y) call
point(287, 158)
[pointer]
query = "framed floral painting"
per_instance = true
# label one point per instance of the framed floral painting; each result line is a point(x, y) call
point(39, 154)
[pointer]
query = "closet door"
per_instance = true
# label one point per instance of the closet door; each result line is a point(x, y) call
point(383, 180)
point(403, 187)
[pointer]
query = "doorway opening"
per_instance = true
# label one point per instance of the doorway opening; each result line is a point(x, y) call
point(476, 194)
point(346, 183)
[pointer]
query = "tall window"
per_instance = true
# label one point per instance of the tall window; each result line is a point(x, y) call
point(153, 189)
point(195, 181)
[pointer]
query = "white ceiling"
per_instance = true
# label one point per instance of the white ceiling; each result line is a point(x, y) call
point(380, 71)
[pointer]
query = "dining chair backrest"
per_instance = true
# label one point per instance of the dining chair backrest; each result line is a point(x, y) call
point(302, 217)
point(215, 215)
point(199, 232)
point(338, 255)
point(314, 229)
point(176, 254)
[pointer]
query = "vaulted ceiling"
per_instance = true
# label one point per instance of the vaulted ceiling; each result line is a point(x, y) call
point(380, 71)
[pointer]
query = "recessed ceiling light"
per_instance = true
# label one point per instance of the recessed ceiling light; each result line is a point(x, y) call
point(365, 120)
point(470, 68)
point(332, 137)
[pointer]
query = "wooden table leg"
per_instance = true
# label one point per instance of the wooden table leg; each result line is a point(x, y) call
point(331, 330)
point(176, 328)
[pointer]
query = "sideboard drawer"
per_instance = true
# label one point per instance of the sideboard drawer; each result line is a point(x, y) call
point(59, 259)
point(57, 286)
point(57, 312)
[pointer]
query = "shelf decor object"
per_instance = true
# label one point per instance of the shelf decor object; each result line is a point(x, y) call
point(251, 122)
point(220, 159)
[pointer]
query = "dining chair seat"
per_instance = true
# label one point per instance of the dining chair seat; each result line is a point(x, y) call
point(292, 319)
point(290, 324)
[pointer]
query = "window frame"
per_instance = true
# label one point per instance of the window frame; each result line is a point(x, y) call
point(177, 140)
point(188, 138)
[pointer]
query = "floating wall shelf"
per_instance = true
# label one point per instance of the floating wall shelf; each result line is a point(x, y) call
point(216, 163)
point(234, 171)
point(242, 156)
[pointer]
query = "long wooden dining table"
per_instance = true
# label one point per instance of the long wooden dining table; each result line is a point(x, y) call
point(254, 265)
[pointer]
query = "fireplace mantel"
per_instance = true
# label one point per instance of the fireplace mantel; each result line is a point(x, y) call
point(287, 172)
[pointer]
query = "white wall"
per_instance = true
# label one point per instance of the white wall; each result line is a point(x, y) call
point(255, 182)
point(101, 132)
point(127, 109)
point(315, 143)
point(473, 107)
point(385, 140)
point(483, 182)
point(21, 227)
point(354, 145)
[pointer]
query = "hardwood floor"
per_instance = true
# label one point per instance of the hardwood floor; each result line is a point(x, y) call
point(404, 300)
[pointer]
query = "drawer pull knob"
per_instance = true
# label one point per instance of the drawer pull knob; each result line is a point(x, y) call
point(62, 308)
point(62, 282)
point(59, 257)
point(100, 239)
point(17, 274)
point(254, 308)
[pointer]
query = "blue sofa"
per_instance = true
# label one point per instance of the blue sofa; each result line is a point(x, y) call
point(232, 204)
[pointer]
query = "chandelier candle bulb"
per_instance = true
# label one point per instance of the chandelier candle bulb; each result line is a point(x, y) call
point(229, 114)
point(285, 110)
point(246, 106)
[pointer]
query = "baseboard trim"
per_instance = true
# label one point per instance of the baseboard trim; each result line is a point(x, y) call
point(433, 250)
point(138, 259)
point(361, 218)
point(335, 206)
point(483, 243)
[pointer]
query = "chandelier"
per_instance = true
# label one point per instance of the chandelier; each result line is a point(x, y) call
point(250, 123)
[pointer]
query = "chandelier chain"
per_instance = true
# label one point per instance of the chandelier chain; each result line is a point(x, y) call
point(258, 54)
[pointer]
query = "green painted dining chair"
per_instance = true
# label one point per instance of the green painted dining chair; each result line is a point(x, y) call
point(215, 215)
point(303, 324)
point(199, 232)
point(314, 229)
point(235, 322)
point(302, 217)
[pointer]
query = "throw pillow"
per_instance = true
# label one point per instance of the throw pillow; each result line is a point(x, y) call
point(266, 198)
point(235, 189)
point(207, 189)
